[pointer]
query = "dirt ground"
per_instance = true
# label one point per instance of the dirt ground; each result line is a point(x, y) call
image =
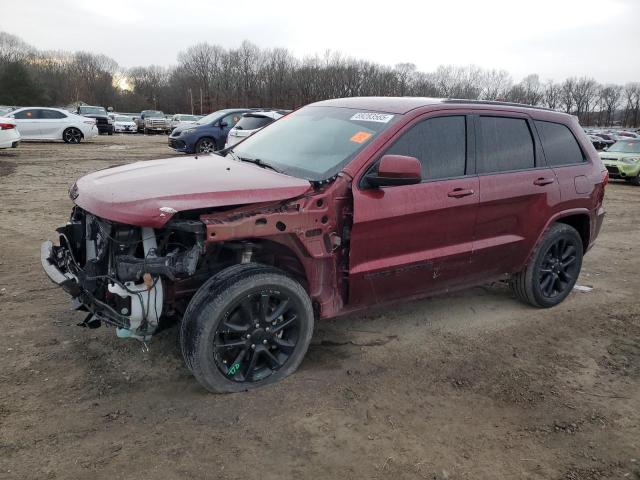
point(472, 385)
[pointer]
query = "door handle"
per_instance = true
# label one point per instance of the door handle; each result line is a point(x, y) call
point(460, 192)
point(543, 181)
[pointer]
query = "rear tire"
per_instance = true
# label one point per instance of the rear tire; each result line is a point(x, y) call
point(552, 270)
point(248, 326)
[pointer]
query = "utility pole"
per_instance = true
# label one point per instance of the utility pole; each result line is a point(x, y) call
point(191, 97)
point(201, 102)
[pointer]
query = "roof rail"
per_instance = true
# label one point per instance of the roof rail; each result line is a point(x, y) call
point(494, 102)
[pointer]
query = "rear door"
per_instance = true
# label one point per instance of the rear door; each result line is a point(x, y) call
point(52, 123)
point(415, 239)
point(518, 192)
point(28, 123)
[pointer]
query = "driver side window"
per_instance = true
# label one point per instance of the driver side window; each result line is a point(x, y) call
point(439, 143)
point(231, 120)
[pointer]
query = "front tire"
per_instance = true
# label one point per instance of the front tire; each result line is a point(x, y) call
point(248, 326)
point(635, 180)
point(205, 145)
point(552, 270)
point(72, 135)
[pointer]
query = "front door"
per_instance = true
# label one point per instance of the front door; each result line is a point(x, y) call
point(415, 239)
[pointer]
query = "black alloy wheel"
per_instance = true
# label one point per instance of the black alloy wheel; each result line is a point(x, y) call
point(559, 268)
point(72, 135)
point(247, 326)
point(257, 337)
point(553, 268)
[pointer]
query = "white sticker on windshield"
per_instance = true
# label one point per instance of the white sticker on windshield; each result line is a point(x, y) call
point(372, 117)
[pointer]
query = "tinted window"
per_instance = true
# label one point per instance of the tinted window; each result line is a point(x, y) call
point(504, 144)
point(253, 122)
point(440, 145)
point(232, 119)
point(49, 114)
point(27, 114)
point(559, 145)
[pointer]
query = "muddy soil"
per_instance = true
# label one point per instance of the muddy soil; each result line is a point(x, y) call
point(474, 385)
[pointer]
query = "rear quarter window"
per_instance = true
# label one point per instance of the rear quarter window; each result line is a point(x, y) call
point(252, 123)
point(559, 145)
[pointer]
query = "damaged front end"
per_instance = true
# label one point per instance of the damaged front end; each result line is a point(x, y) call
point(120, 273)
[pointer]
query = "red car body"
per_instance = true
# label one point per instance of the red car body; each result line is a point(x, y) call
point(198, 238)
point(405, 242)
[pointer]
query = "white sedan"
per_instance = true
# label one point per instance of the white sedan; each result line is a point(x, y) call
point(9, 134)
point(38, 123)
point(122, 123)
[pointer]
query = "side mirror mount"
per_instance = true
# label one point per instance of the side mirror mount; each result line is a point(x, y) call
point(395, 170)
point(223, 124)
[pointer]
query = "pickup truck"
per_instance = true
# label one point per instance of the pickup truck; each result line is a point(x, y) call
point(153, 121)
point(103, 121)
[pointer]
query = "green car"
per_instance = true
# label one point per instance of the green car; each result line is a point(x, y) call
point(622, 160)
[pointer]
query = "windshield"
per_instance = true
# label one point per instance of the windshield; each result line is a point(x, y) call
point(123, 119)
point(93, 111)
point(186, 118)
point(624, 146)
point(152, 114)
point(315, 142)
point(212, 117)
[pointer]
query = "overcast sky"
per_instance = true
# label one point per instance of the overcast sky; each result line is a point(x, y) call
point(554, 38)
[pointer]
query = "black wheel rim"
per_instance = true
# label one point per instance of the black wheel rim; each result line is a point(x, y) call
point(257, 336)
point(559, 268)
point(73, 135)
point(206, 146)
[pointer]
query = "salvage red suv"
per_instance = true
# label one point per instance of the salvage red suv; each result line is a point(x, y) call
point(338, 206)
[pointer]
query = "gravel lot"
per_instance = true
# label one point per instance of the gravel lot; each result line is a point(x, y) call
point(473, 385)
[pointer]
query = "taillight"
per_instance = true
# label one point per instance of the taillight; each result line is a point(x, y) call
point(7, 126)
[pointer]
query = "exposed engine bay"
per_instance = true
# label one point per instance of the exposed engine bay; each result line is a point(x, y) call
point(116, 271)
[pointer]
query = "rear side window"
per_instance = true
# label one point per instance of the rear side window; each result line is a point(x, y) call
point(440, 145)
point(253, 122)
point(49, 114)
point(504, 144)
point(559, 145)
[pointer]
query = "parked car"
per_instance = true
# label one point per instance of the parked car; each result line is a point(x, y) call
point(598, 142)
point(207, 134)
point(152, 121)
point(181, 120)
point(622, 160)
point(607, 138)
point(39, 123)
point(346, 204)
point(122, 124)
point(250, 123)
point(9, 134)
point(103, 122)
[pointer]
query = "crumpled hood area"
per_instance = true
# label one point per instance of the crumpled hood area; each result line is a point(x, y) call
point(149, 193)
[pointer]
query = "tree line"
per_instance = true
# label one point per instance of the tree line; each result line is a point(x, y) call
point(210, 77)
